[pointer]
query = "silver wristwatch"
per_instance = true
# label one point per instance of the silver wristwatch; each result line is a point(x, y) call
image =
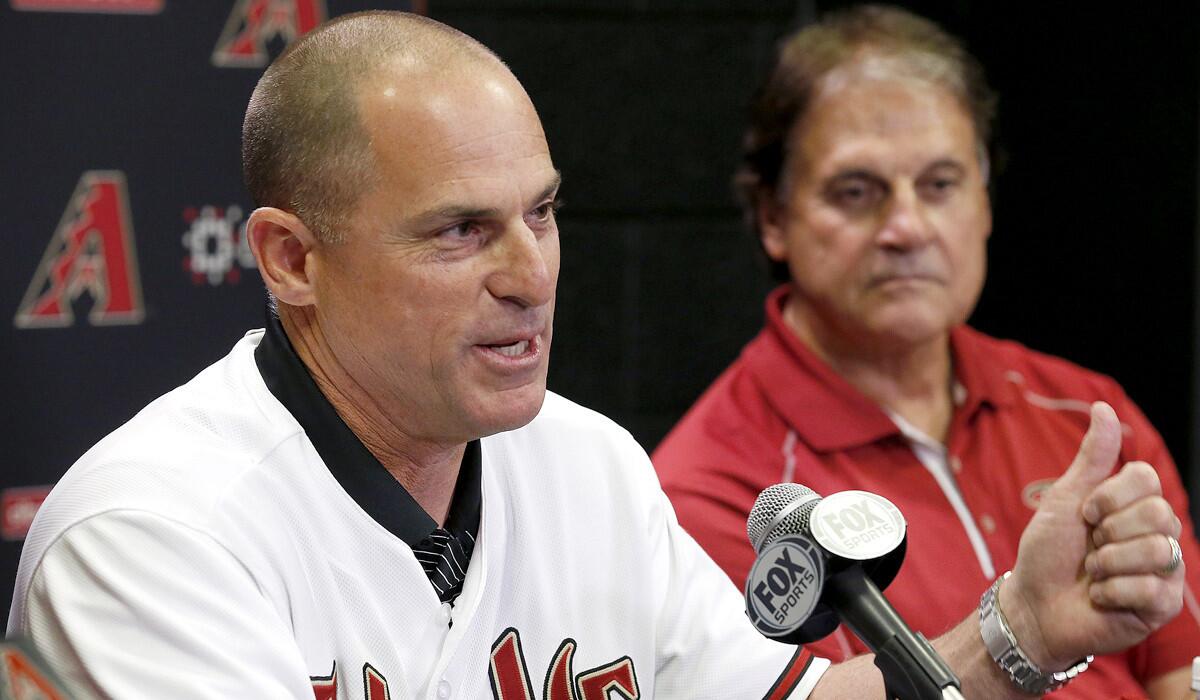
point(1002, 645)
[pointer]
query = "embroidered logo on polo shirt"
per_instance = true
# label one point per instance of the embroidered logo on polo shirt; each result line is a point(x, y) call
point(1032, 494)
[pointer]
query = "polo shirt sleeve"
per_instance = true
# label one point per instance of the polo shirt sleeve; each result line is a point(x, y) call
point(1173, 646)
point(706, 646)
point(132, 604)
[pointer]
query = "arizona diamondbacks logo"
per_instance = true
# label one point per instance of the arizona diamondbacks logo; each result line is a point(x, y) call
point(90, 253)
point(253, 23)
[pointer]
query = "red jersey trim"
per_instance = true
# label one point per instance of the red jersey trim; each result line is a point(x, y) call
point(791, 676)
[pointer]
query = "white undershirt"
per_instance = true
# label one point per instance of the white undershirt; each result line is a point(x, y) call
point(932, 454)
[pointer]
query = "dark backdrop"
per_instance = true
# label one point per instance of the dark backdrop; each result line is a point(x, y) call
point(1092, 258)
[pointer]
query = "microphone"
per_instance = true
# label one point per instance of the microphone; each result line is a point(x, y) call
point(854, 526)
point(824, 560)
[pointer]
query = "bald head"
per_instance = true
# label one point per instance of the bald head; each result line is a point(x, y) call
point(305, 148)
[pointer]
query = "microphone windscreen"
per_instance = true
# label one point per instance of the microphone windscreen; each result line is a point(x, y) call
point(761, 526)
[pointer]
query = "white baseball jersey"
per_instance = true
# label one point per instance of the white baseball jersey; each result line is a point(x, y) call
point(205, 550)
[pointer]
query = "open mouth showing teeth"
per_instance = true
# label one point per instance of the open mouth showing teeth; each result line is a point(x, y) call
point(514, 350)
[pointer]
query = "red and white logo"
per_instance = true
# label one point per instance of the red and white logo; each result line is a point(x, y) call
point(91, 252)
point(375, 686)
point(23, 678)
point(253, 23)
point(216, 243)
point(119, 7)
point(510, 679)
point(1032, 494)
point(17, 508)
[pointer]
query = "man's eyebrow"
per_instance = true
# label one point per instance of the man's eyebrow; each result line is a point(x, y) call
point(848, 173)
point(551, 188)
point(852, 172)
point(946, 163)
point(455, 212)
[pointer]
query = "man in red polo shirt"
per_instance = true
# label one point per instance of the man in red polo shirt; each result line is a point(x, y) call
point(865, 174)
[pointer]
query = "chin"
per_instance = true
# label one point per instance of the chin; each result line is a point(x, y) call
point(509, 410)
point(912, 329)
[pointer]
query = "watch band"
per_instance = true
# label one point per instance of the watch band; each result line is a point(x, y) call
point(1002, 645)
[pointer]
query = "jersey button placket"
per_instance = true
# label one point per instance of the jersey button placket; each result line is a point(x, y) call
point(443, 690)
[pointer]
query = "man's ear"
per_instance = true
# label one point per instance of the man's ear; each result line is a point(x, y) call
point(769, 216)
point(281, 244)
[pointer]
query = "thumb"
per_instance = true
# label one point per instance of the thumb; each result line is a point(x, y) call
point(1098, 452)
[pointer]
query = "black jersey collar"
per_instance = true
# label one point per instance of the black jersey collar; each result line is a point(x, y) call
point(351, 463)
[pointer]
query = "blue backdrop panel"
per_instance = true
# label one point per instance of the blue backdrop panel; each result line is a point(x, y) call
point(125, 269)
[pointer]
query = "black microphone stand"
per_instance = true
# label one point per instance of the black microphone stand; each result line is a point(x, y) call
point(911, 669)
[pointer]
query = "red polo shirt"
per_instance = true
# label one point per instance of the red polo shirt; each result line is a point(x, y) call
point(781, 414)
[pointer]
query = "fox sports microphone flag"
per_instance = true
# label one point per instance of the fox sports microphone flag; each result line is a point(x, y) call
point(785, 583)
point(803, 541)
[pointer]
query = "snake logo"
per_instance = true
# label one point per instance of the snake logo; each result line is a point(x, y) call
point(90, 254)
point(255, 23)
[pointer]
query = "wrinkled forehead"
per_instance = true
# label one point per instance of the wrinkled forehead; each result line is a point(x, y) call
point(420, 101)
point(452, 130)
point(914, 73)
point(876, 119)
point(914, 67)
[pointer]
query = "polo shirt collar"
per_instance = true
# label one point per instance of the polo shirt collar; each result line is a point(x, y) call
point(349, 461)
point(977, 370)
point(827, 412)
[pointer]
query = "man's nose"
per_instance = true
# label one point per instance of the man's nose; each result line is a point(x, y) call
point(525, 270)
point(906, 223)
